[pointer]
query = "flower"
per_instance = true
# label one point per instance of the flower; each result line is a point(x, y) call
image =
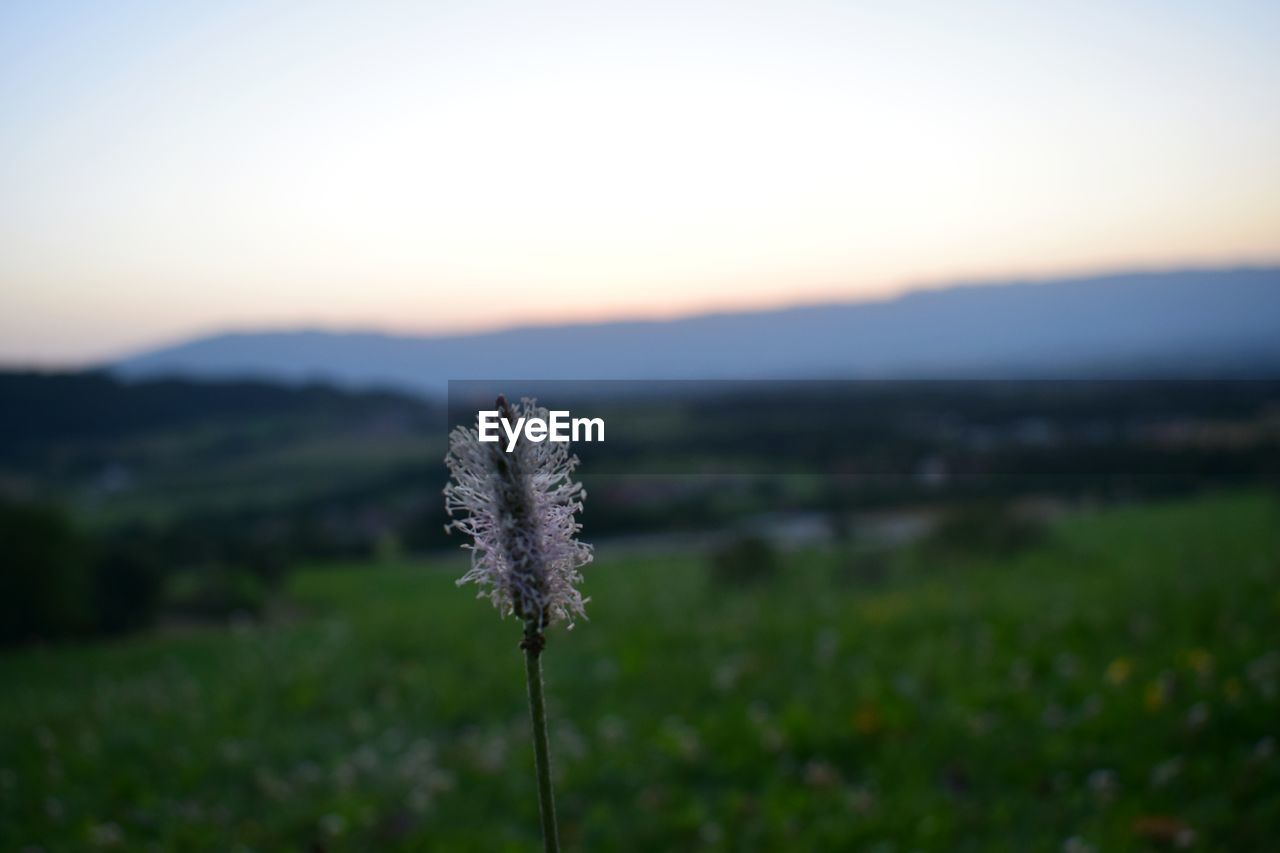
point(519, 507)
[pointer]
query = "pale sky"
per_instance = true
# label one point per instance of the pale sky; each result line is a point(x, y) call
point(169, 169)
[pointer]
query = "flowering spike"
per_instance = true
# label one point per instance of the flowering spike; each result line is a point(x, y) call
point(519, 507)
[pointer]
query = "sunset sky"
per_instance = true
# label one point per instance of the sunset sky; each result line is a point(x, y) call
point(171, 169)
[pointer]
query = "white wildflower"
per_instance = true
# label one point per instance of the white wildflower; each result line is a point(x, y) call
point(519, 507)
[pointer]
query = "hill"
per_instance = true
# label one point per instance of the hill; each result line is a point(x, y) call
point(1191, 323)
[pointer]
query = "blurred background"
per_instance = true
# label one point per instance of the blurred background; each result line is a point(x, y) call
point(939, 355)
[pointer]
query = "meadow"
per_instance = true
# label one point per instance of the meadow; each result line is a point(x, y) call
point(1115, 685)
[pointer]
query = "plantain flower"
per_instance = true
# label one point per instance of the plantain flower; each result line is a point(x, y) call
point(519, 507)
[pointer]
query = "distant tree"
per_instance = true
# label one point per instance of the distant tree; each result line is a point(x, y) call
point(744, 560)
point(987, 529)
point(44, 575)
point(127, 582)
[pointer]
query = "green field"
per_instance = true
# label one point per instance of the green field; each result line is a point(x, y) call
point(1116, 687)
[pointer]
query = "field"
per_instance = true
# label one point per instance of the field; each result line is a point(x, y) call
point(1116, 686)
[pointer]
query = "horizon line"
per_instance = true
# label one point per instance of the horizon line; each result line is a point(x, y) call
point(799, 304)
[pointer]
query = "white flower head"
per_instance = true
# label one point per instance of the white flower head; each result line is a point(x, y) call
point(519, 507)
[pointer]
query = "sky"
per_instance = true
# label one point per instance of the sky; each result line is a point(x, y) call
point(175, 169)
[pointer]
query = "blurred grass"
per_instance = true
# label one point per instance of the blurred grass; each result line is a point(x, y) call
point(1118, 685)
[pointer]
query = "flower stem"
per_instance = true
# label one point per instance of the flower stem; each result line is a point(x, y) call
point(532, 645)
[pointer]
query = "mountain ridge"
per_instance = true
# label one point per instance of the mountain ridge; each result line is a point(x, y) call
point(1182, 323)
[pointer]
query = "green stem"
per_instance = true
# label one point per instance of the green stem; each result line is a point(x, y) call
point(532, 645)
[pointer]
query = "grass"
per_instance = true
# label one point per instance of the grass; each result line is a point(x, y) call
point(1117, 687)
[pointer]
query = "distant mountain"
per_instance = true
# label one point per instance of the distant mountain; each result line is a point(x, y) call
point(1185, 324)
